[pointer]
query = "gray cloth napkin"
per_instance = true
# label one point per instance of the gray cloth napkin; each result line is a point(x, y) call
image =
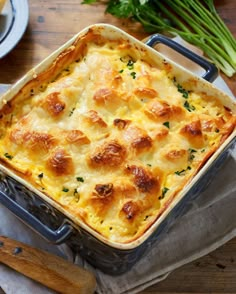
point(209, 222)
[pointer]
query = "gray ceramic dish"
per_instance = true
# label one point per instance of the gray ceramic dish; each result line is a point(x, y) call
point(57, 226)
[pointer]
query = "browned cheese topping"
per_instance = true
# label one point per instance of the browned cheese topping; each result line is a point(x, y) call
point(110, 135)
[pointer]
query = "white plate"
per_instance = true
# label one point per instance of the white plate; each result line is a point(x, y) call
point(13, 22)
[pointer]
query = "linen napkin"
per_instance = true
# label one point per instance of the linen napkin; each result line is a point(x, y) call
point(209, 222)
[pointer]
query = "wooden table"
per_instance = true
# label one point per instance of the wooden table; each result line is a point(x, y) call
point(52, 23)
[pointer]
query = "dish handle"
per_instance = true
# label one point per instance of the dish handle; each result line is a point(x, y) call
point(57, 236)
point(211, 70)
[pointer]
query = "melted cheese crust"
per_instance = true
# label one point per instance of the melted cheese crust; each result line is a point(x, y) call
point(112, 138)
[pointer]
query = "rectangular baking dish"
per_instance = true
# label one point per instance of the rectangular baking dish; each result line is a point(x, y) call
point(53, 221)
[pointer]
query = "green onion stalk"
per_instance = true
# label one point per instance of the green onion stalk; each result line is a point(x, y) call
point(196, 21)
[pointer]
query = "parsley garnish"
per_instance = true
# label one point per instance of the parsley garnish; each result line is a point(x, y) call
point(182, 172)
point(40, 175)
point(7, 155)
point(72, 111)
point(191, 155)
point(80, 179)
point(163, 192)
point(183, 91)
point(65, 189)
point(188, 106)
point(166, 124)
point(130, 64)
point(133, 74)
point(121, 71)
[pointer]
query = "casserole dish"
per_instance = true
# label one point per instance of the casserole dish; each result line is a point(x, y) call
point(104, 142)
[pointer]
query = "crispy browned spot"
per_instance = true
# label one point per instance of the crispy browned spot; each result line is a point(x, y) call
point(143, 179)
point(193, 132)
point(60, 163)
point(145, 92)
point(104, 190)
point(176, 154)
point(161, 110)
point(76, 136)
point(93, 116)
point(33, 140)
point(130, 209)
point(109, 154)
point(142, 142)
point(117, 81)
point(137, 137)
point(53, 104)
point(120, 123)
point(161, 134)
point(192, 129)
point(42, 141)
point(104, 94)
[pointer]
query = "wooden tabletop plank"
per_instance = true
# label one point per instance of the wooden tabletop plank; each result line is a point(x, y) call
point(52, 23)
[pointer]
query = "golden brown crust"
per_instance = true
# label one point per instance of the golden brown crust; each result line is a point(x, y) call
point(76, 137)
point(94, 118)
point(143, 179)
point(144, 92)
point(53, 104)
point(60, 163)
point(109, 154)
point(193, 133)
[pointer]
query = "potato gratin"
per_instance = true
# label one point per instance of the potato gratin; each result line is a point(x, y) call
point(113, 137)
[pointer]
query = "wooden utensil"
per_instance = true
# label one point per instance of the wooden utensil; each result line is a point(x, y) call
point(45, 268)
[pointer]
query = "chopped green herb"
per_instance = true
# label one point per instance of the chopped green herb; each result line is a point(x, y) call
point(182, 172)
point(130, 64)
point(148, 164)
point(179, 173)
point(188, 106)
point(217, 130)
point(191, 155)
point(121, 71)
point(72, 111)
point(166, 124)
point(133, 74)
point(80, 179)
point(7, 155)
point(192, 150)
point(65, 189)
point(163, 192)
point(183, 91)
point(40, 175)
point(203, 150)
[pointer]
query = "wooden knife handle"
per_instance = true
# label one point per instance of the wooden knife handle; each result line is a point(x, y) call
point(45, 268)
